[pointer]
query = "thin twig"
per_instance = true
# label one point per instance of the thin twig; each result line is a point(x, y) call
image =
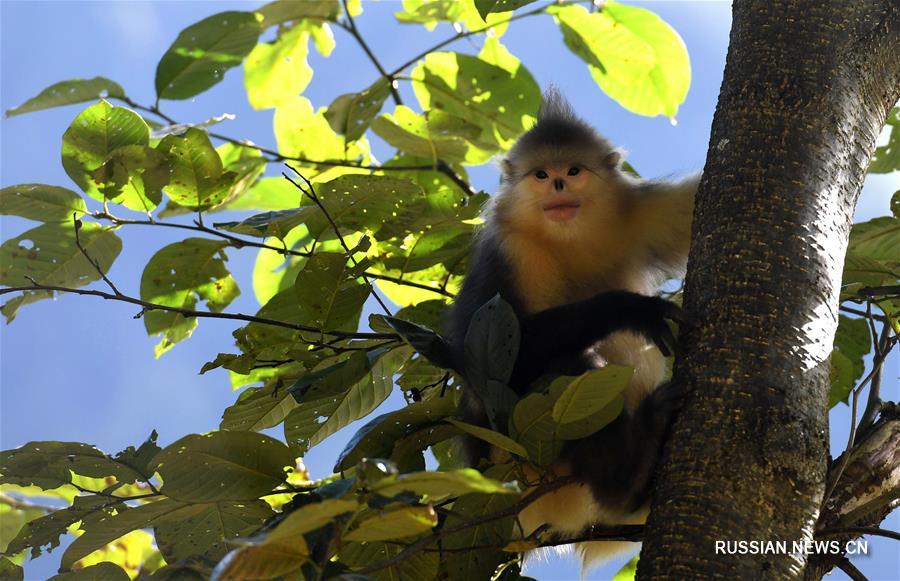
point(310, 192)
point(853, 311)
point(237, 242)
point(147, 306)
point(883, 346)
point(89, 258)
point(354, 31)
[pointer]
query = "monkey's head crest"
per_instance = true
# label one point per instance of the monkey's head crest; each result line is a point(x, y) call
point(559, 136)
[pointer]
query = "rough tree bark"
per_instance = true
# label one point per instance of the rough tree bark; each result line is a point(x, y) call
point(806, 91)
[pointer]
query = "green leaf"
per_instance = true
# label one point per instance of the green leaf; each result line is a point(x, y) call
point(109, 527)
point(486, 7)
point(439, 485)
point(104, 571)
point(302, 132)
point(287, 10)
point(139, 459)
point(860, 271)
point(68, 93)
point(632, 54)
point(48, 255)
point(534, 422)
point(41, 202)
point(258, 409)
point(586, 396)
point(878, 239)
point(425, 341)
point(495, 438)
point(886, 158)
point(628, 570)
point(47, 529)
point(378, 437)
point(309, 518)
point(133, 175)
point(98, 131)
point(406, 521)
point(329, 294)
point(197, 178)
point(202, 53)
point(348, 393)
point(274, 272)
point(841, 377)
point(352, 113)
point(278, 70)
point(222, 466)
point(262, 561)
point(492, 342)
point(499, 103)
point(206, 529)
point(410, 132)
point(10, 571)
point(178, 276)
point(853, 340)
point(464, 12)
point(470, 560)
point(420, 565)
point(267, 194)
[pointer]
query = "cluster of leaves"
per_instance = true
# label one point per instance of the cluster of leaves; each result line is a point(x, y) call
point(238, 504)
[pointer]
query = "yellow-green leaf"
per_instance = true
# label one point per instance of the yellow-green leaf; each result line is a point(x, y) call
point(438, 485)
point(197, 179)
point(278, 70)
point(632, 54)
point(406, 521)
point(490, 436)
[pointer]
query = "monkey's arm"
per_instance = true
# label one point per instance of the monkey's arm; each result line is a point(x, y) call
point(663, 215)
point(571, 329)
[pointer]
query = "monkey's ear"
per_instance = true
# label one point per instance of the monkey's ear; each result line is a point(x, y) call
point(612, 160)
point(506, 167)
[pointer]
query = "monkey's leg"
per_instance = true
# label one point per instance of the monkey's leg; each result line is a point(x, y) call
point(570, 329)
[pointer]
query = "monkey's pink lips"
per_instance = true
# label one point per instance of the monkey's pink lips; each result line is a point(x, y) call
point(561, 209)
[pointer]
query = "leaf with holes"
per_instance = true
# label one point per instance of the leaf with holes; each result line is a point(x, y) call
point(206, 529)
point(203, 52)
point(329, 293)
point(96, 133)
point(197, 179)
point(48, 255)
point(352, 113)
point(410, 132)
point(178, 276)
point(222, 466)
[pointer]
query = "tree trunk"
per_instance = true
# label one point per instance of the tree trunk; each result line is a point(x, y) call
point(807, 88)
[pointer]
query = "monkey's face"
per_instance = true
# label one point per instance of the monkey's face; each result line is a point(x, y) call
point(561, 188)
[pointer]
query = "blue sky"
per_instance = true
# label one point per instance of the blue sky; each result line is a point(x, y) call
point(82, 369)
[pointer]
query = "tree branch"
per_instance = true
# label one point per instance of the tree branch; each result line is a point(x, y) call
point(354, 31)
point(310, 192)
point(148, 306)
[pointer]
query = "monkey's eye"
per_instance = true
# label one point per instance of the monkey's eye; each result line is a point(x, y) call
point(574, 170)
point(541, 174)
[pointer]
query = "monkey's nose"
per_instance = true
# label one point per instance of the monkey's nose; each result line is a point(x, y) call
point(559, 184)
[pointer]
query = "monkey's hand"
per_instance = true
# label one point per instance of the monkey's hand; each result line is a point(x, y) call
point(642, 314)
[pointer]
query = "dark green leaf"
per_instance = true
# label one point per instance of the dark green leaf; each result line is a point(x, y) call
point(50, 464)
point(878, 239)
point(486, 7)
point(425, 341)
point(421, 565)
point(206, 529)
point(495, 438)
point(109, 527)
point(352, 113)
point(287, 10)
point(69, 92)
point(41, 202)
point(202, 53)
point(104, 571)
point(377, 438)
point(139, 459)
point(46, 530)
point(329, 293)
point(222, 466)
point(259, 408)
point(9, 571)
